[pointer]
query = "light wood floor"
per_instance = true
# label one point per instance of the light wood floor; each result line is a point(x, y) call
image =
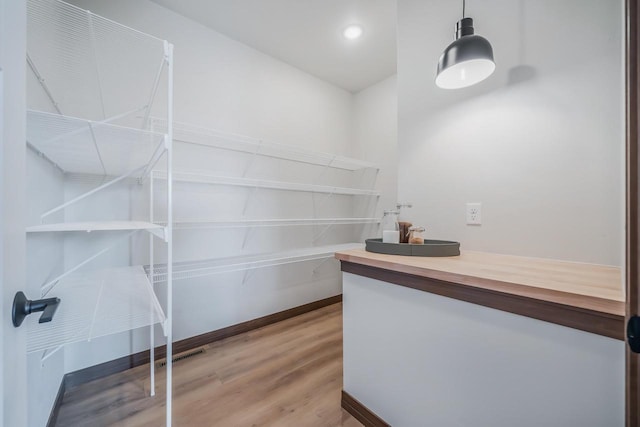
point(285, 374)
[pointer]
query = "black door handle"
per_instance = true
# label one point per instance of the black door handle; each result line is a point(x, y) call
point(22, 307)
point(633, 334)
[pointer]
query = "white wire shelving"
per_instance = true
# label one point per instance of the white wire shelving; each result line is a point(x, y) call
point(91, 67)
point(98, 83)
point(77, 145)
point(89, 226)
point(203, 178)
point(95, 304)
point(192, 134)
point(272, 222)
point(207, 267)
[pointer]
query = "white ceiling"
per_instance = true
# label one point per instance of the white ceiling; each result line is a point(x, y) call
point(308, 34)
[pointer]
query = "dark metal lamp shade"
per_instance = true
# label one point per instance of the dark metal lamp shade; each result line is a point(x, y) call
point(466, 61)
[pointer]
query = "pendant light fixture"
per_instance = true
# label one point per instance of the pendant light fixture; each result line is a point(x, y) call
point(466, 61)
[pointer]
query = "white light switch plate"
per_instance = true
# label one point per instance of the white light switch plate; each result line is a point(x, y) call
point(474, 213)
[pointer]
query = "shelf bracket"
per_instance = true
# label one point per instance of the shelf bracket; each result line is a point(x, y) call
point(322, 233)
point(254, 190)
point(164, 327)
point(48, 353)
point(248, 273)
point(154, 89)
point(325, 198)
point(160, 233)
point(247, 236)
point(42, 82)
point(89, 193)
point(155, 158)
point(95, 144)
point(323, 262)
point(365, 180)
point(46, 288)
point(252, 159)
point(95, 311)
point(44, 156)
point(324, 169)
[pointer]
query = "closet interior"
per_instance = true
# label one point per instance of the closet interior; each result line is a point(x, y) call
point(146, 226)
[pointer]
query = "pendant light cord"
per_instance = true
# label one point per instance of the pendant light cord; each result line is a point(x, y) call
point(463, 7)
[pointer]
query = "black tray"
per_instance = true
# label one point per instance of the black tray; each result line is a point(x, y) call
point(433, 248)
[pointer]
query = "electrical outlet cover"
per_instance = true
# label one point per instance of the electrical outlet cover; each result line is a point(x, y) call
point(474, 213)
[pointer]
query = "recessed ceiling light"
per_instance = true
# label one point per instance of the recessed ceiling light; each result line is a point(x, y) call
point(352, 32)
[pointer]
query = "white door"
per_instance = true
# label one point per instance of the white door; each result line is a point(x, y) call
point(13, 373)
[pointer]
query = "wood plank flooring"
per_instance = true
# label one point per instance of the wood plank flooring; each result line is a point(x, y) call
point(285, 374)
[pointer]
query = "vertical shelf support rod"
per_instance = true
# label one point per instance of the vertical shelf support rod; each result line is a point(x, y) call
point(169, 54)
point(152, 280)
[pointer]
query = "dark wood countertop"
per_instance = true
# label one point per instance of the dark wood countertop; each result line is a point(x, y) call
point(583, 296)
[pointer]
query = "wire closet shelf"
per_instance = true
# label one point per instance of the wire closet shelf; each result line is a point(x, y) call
point(207, 267)
point(98, 303)
point(83, 146)
point(205, 178)
point(213, 138)
point(271, 222)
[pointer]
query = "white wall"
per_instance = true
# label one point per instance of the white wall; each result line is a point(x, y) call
point(417, 359)
point(540, 143)
point(375, 136)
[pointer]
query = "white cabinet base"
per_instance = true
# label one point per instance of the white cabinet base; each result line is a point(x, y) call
point(418, 359)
